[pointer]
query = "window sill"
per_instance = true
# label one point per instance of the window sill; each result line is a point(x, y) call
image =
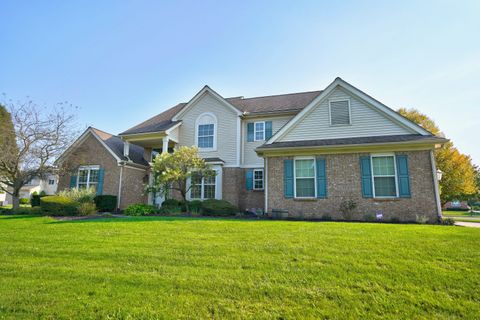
point(305, 199)
point(257, 190)
point(387, 199)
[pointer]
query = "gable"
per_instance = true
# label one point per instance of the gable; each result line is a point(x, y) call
point(365, 120)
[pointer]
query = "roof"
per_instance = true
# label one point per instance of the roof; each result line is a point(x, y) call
point(353, 141)
point(214, 159)
point(115, 144)
point(291, 102)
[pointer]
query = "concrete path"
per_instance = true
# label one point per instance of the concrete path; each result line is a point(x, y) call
point(464, 217)
point(468, 224)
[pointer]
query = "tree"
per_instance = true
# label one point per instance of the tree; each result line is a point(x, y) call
point(172, 170)
point(458, 178)
point(31, 138)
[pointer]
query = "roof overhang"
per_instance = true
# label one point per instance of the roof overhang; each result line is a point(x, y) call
point(351, 148)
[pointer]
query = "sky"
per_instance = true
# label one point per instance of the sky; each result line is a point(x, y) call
point(122, 62)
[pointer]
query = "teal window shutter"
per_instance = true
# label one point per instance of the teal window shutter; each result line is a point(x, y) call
point(403, 177)
point(268, 130)
point(250, 132)
point(288, 178)
point(321, 178)
point(100, 181)
point(249, 180)
point(73, 181)
point(366, 172)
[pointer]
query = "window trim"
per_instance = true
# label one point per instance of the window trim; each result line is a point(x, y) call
point(378, 155)
point(89, 169)
point(330, 112)
point(202, 188)
point(263, 179)
point(255, 131)
point(295, 176)
point(197, 124)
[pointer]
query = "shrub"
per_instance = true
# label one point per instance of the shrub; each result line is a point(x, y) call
point(347, 207)
point(27, 210)
point(369, 217)
point(58, 206)
point(394, 220)
point(79, 195)
point(24, 201)
point(448, 221)
point(86, 208)
point(214, 207)
point(140, 209)
point(35, 200)
point(326, 217)
point(106, 203)
point(43, 193)
point(421, 219)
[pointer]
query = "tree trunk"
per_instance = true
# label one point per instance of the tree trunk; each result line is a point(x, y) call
point(16, 200)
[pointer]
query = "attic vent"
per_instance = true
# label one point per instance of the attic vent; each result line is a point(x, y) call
point(340, 112)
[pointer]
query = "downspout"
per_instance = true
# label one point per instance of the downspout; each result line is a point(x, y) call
point(435, 183)
point(266, 183)
point(119, 197)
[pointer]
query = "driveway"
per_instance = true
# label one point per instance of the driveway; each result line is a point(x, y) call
point(468, 224)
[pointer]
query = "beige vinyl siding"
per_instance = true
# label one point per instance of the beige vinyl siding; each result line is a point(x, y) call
point(250, 156)
point(226, 129)
point(175, 133)
point(366, 121)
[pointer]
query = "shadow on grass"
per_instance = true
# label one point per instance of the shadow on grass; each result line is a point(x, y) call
point(19, 216)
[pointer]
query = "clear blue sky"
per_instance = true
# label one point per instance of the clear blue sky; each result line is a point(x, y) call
point(124, 61)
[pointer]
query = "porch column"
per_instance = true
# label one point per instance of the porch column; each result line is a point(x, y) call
point(165, 144)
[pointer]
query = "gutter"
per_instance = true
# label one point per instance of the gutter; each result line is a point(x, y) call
point(435, 185)
point(119, 196)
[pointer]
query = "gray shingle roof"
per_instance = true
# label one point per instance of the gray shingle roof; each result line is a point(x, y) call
point(115, 144)
point(352, 141)
point(292, 102)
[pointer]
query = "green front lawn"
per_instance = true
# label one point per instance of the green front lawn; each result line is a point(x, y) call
point(208, 268)
point(449, 213)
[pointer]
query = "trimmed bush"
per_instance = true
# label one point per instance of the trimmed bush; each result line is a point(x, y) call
point(448, 221)
point(106, 203)
point(196, 207)
point(24, 201)
point(86, 208)
point(140, 209)
point(58, 206)
point(79, 195)
point(35, 200)
point(43, 194)
point(214, 207)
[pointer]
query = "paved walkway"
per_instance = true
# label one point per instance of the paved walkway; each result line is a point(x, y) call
point(468, 224)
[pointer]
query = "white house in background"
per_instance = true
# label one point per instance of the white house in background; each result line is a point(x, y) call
point(48, 185)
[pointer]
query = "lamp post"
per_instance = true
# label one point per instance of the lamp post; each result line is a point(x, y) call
point(439, 174)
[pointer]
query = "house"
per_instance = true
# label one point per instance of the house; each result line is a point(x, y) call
point(302, 153)
point(47, 184)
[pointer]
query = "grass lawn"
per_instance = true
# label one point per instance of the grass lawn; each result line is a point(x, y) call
point(207, 268)
point(459, 214)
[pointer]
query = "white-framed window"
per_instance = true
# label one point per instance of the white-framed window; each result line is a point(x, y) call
point(257, 179)
point(384, 175)
point(340, 113)
point(205, 133)
point(88, 177)
point(259, 131)
point(202, 188)
point(51, 182)
point(305, 184)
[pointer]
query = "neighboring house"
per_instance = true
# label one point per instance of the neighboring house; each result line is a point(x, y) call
point(47, 184)
point(304, 153)
point(457, 205)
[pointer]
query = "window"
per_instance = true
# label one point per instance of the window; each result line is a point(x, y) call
point(259, 132)
point(155, 152)
point(340, 112)
point(258, 179)
point(202, 188)
point(205, 135)
point(88, 177)
point(304, 178)
point(51, 182)
point(384, 176)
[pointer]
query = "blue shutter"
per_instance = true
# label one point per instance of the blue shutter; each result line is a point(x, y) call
point(321, 178)
point(288, 178)
point(100, 181)
point(250, 132)
point(403, 177)
point(73, 182)
point(249, 180)
point(268, 130)
point(366, 172)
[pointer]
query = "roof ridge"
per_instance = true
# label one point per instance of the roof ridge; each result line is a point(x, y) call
point(276, 95)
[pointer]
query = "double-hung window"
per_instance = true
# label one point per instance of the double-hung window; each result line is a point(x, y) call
point(384, 176)
point(88, 177)
point(202, 187)
point(259, 131)
point(305, 178)
point(205, 135)
point(258, 179)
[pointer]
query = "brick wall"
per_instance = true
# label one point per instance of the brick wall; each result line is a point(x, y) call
point(343, 184)
point(234, 190)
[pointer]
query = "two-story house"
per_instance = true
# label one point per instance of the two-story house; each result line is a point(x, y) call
point(305, 153)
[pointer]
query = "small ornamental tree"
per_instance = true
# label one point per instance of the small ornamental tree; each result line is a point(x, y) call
point(172, 170)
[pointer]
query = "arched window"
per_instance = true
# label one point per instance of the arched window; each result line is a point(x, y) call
point(206, 132)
